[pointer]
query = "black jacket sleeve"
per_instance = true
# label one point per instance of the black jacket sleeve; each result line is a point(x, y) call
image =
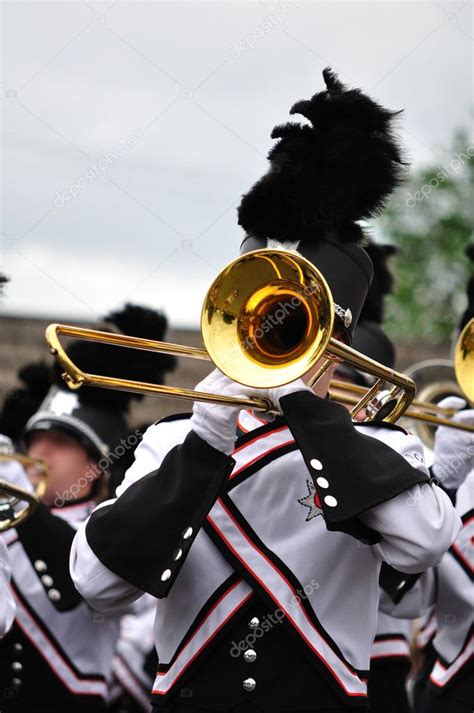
point(145, 535)
point(47, 541)
point(351, 472)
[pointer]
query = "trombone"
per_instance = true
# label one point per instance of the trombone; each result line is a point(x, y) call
point(267, 320)
point(428, 411)
point(11, 496)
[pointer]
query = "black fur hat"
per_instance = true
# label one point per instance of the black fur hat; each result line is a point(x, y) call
point(469, 311)
point(98, 417)
point(323, 178)
point(382, 284)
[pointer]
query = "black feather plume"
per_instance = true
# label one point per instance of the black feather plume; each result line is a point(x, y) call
point(21, 403)
point(382, 284)
point(339, 170)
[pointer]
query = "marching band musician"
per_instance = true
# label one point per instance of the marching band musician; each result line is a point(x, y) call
point(57, 656)
point(264, 551)
point(444, 595)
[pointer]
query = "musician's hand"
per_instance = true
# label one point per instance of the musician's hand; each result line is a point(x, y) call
point(216, 424)
point(454, 449)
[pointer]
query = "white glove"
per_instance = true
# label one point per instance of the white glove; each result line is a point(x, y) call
point(216, 424)
point(454, 449)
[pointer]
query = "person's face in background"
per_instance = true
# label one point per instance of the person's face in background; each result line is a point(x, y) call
point(67, 464)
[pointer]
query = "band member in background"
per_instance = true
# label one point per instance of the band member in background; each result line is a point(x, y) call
point(57, 656)
point(264, 551)
point(444, 595)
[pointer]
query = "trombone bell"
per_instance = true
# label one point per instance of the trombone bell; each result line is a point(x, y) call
point(267, 318)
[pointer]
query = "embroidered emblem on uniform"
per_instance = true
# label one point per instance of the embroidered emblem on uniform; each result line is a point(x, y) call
point(311, 501)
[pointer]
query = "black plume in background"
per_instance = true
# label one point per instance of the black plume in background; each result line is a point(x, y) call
point(120, 362)
point(382, 284)
point(21, 403)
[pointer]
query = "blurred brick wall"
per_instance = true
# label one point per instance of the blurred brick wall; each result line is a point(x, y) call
point(22, 340)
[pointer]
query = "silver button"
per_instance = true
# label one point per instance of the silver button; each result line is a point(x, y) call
point(249, 684)
point(177, 555)
point(253, 623)
point(18, 647)
point(166, 575)
point(402, 584)
point(316, 464)
point(322, 482)
point(47, 580)
point(250, 656)
point(40, 566)
point(330, 501)
point(54, 595)
point(17, 666)
point(187, 533)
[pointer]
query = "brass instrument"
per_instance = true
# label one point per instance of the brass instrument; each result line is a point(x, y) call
point(11, 496)
point(464, 360)
point(436, 379)
point(267, 320)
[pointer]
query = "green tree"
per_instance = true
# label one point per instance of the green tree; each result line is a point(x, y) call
point(430, 220)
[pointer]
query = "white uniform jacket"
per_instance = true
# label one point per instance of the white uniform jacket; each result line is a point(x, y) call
point(301, 515)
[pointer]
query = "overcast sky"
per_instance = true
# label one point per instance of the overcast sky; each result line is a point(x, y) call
point(131, 130)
